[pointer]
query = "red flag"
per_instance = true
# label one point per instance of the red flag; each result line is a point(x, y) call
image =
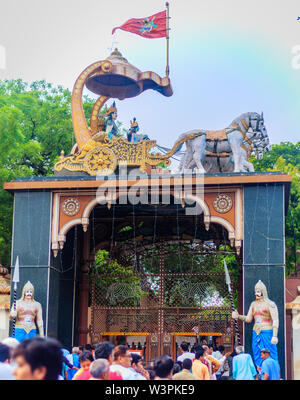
point(151, 27)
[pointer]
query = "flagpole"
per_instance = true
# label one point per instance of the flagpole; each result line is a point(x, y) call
point(16, 281)
point(167, 38)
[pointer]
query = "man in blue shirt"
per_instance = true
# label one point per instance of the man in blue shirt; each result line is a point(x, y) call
point(243, 368)
point(270, 369)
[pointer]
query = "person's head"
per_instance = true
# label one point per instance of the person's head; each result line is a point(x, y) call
point(210, 349)
point(163, 366)
point(11, 342)
point(200, 354)
point(104, 350)
point(184, 346)
point(99, 369)
point(205, 348)
point(197, 347)
point(38, 359)
point(265, 353)
point(75, 350)
point(187, 363)
point(176, 368)
point(88, 347)
point(136, 362)
point(151, 372)
point(221, 349)
point(85, 359)
point(4, 353)
point(122, 356)
point(80, 349)
point(239, 349)
point(180, 364)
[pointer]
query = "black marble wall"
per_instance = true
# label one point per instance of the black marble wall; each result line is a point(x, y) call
point(264, 253)
point(54, 279)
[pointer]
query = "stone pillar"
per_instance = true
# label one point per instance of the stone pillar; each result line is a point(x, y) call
point(84, 292)
point(52, 277)
point(83, 307)
point(31, 242)
point(294, 306)
point(264, 254)
point(4, 302)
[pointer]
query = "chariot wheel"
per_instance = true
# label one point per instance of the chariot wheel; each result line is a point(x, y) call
point(100, 161)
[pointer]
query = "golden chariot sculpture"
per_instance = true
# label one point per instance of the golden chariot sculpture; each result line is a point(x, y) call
point(98, 149)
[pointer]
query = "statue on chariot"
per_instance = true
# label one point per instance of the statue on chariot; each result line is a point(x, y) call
point(100, 149)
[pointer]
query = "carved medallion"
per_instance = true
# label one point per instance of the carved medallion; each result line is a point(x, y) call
point(70, 207)
point(154, 339)
point(167, 339)
point(222, 203)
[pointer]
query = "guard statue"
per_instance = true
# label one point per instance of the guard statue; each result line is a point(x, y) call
point(26, 312)
point(265, 329)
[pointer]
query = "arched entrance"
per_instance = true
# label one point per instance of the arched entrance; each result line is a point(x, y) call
point(56, 253)
point(158, 279)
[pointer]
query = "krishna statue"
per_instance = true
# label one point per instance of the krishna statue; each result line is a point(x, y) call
point(265, 329)
point(111, 127)
point(28, 314)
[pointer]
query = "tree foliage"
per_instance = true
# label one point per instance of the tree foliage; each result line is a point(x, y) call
point(35, 126)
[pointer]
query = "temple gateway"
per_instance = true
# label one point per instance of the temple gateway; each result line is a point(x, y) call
point(118, 247)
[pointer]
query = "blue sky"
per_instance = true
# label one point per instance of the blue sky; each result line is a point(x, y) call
point(226, 58)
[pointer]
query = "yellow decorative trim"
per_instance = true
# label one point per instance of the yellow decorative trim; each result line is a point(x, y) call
point(196, 334)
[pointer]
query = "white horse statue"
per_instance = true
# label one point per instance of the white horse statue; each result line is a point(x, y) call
point(226, 150)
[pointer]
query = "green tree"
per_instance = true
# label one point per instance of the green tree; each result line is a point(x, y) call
point(114, 283)
point(35, 126)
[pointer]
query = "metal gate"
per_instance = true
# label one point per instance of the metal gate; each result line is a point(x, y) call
point(158, 300)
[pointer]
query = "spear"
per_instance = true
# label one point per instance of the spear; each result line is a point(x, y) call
point(16, 279)
point(228, 282)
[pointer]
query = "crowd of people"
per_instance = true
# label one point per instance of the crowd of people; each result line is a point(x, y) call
point(45, 359)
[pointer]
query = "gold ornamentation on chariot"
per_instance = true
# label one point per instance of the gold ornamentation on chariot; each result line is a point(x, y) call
point(100, 155)
point(222, 203)
point(100, 160)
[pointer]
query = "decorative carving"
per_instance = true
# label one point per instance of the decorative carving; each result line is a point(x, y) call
point(70, 207)
point(100, 159)
point(120, 292)
point(95, 158)
point(222, 203)
point(167, 338)
point(154, 339)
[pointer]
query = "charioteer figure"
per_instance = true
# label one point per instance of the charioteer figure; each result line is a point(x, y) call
point(265, 329)
point(132, 133)
point(111, 127)
point(28, 314)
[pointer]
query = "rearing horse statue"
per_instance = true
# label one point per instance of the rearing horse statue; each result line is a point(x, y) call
point(245, 135)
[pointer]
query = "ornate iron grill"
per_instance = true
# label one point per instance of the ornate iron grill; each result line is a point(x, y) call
point(162, 303)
